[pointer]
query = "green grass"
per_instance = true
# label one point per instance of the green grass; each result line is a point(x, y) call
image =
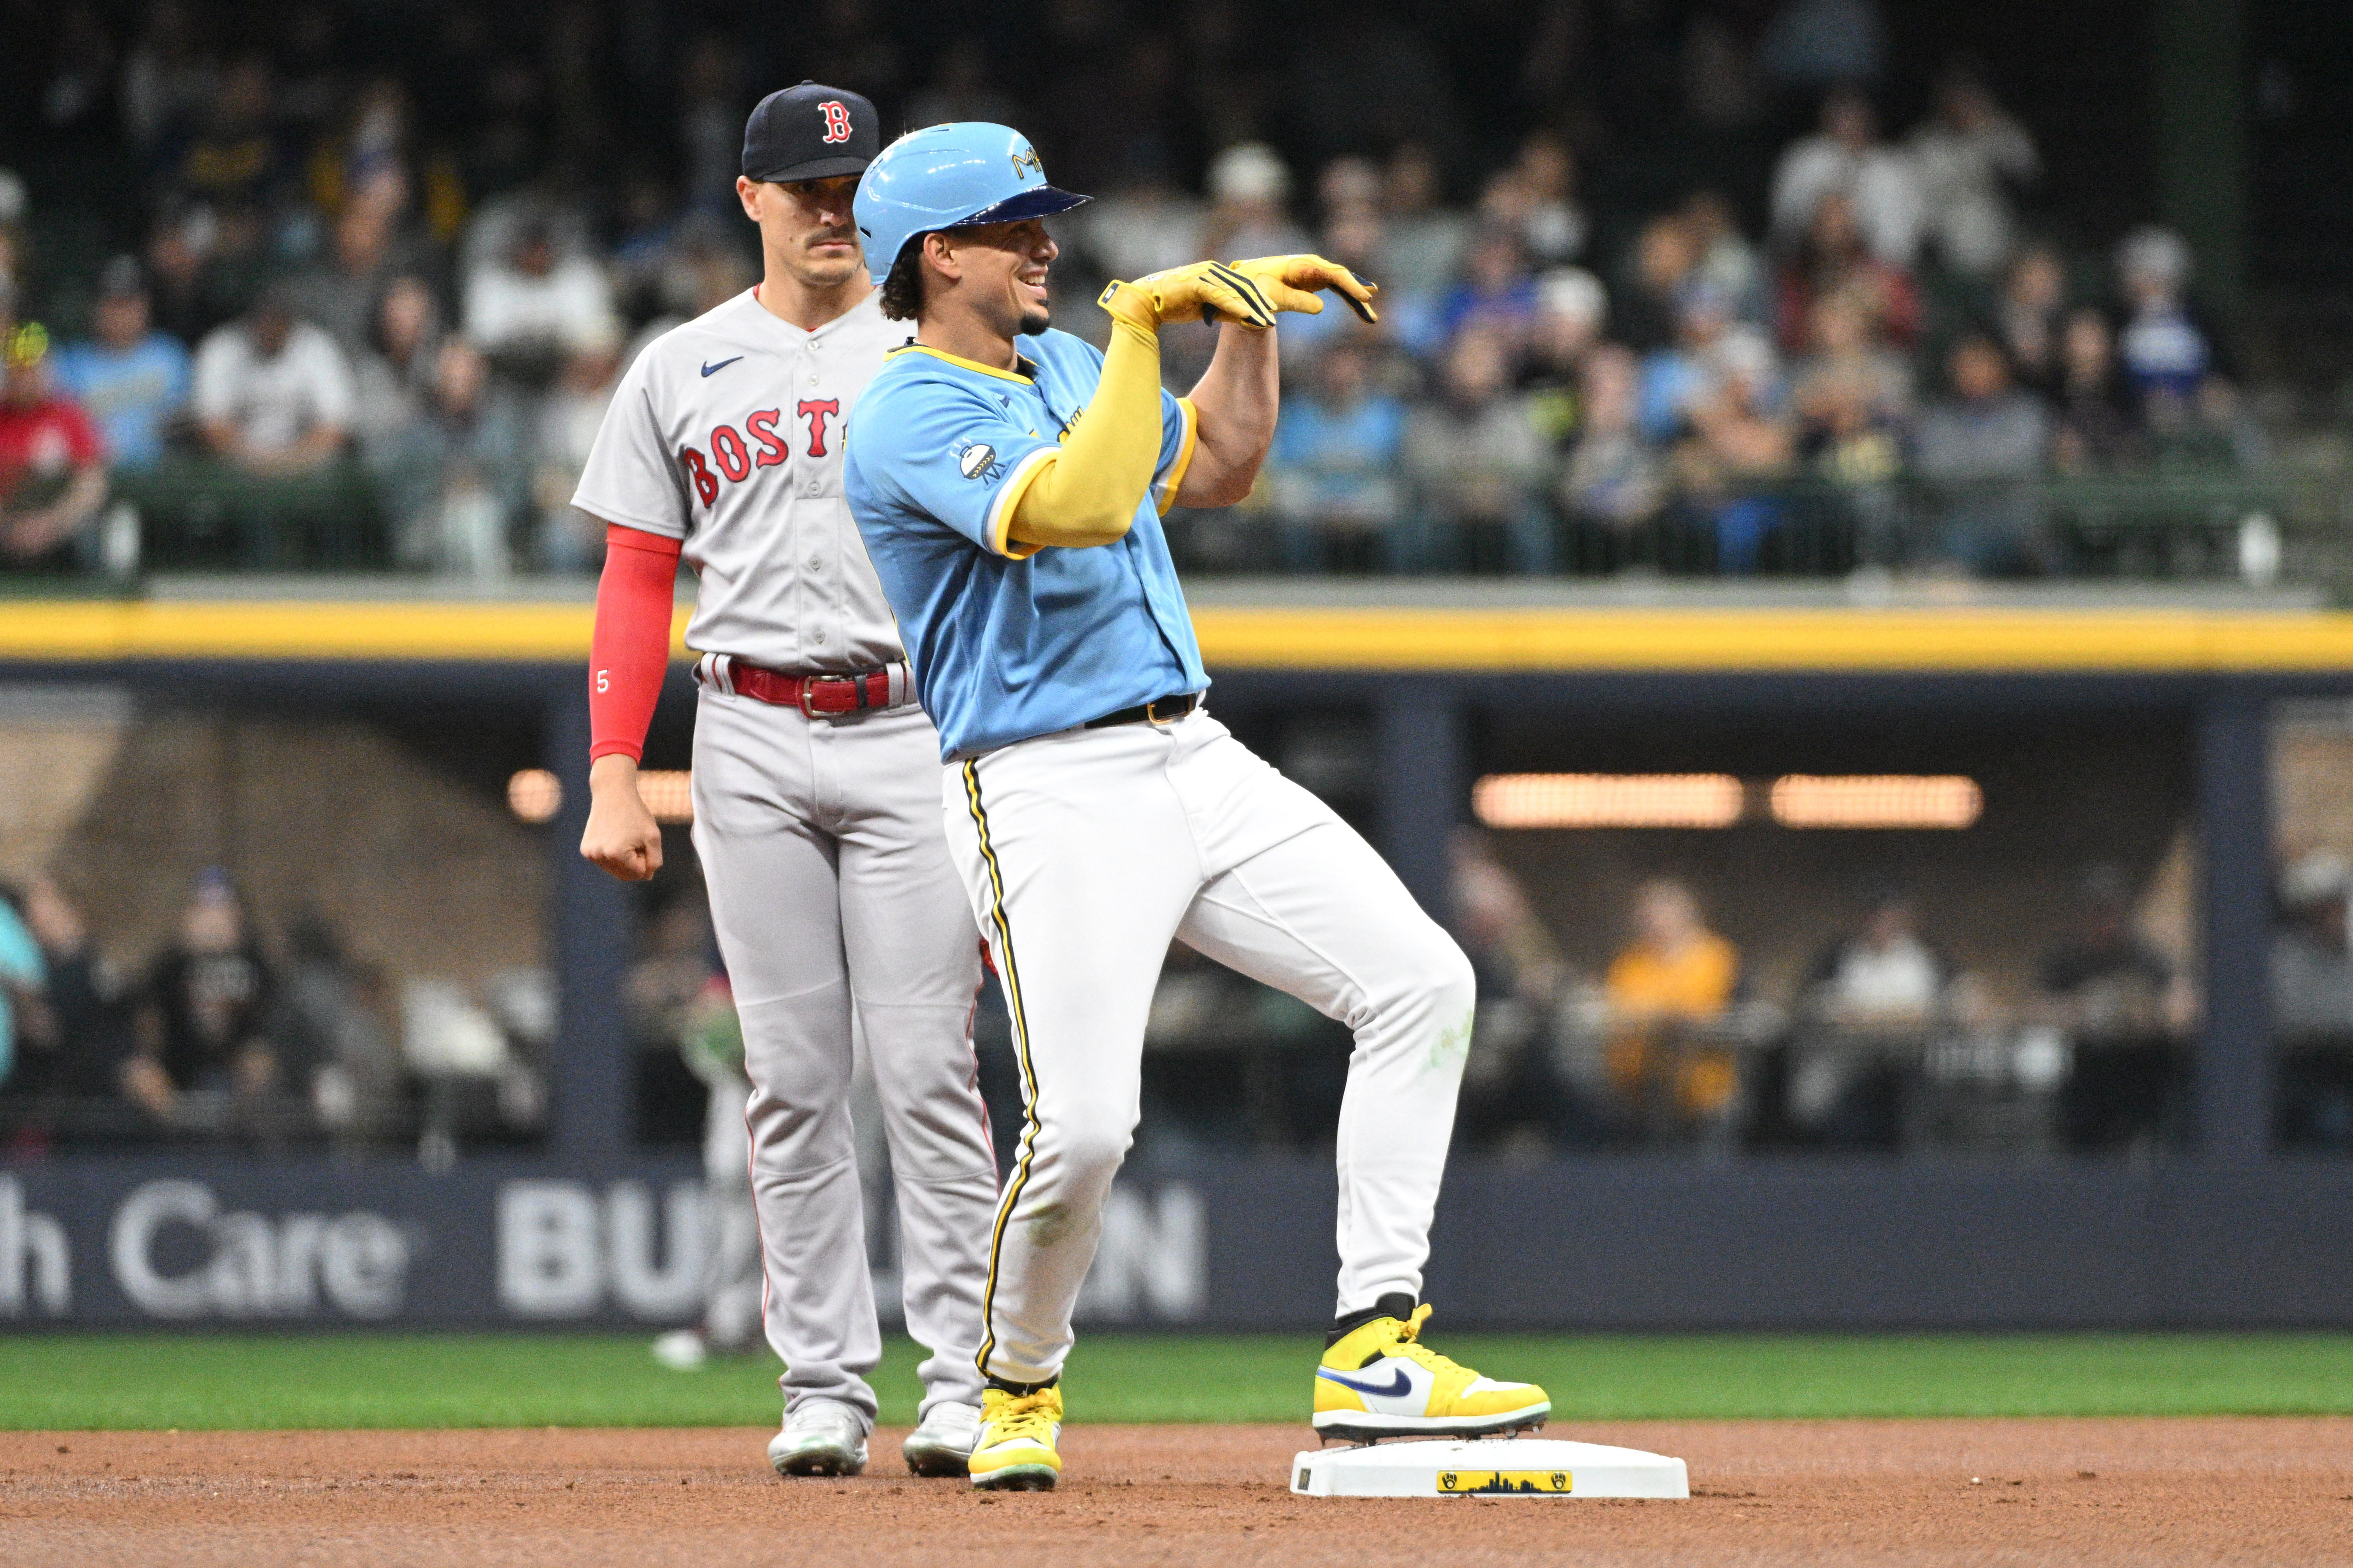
point(96, 1381)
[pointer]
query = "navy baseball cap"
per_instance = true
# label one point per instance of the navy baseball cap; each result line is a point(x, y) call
point(810, 132)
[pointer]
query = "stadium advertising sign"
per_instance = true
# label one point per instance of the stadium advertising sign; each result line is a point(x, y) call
point(134, 1242)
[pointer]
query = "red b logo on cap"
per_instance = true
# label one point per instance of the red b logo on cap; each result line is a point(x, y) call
point(837, 120)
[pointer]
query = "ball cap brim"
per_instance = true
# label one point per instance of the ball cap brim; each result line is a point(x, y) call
point(815, 169)
point(1043, 202)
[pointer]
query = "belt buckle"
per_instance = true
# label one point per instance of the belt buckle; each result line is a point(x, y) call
point(1152, 712)
point(857, 684)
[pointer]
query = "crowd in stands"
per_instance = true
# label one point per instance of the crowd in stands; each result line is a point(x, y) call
point(223, 1035)
point(372, 312)
point(1882, 1043)
point(220, 1035)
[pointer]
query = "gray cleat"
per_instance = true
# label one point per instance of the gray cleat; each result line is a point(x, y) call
point(821, 1438)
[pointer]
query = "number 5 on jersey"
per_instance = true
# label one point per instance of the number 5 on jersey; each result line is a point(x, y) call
point(735, 458)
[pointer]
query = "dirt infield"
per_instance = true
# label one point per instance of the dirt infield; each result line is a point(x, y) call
point(1884, 1492)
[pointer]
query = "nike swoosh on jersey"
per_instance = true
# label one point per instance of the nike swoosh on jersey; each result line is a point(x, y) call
point(1402, 1385)
point(722, 365)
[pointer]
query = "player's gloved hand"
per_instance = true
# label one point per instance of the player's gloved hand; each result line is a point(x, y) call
point(1291, 282)
point(1203, 291)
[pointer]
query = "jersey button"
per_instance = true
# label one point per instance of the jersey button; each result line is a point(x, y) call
point(818, 636)
point(817, 563)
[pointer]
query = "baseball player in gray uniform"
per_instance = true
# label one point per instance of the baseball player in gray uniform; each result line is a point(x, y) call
point(816, 812)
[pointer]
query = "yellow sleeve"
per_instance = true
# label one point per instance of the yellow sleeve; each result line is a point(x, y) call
point(1087, 492)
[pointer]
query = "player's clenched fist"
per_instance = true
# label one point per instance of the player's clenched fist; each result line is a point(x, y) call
point(1203, 291)
point(622, 836)
point(1291, 282)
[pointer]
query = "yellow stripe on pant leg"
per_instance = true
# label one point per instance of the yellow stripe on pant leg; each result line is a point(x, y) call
point(1021, 1050)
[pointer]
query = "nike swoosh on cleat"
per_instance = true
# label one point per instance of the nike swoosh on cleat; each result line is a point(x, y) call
point(1403, 1384)
point(722, 365)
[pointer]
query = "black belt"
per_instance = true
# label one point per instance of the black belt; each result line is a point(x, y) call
point(1159, 711)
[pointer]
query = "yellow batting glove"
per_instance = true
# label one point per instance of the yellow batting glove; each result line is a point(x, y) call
point(1290, 283)
point(1204, 291)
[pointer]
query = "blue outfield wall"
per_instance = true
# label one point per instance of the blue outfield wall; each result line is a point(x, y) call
point(1243, 1244)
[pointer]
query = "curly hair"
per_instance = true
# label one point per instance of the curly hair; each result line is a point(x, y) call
point(903, 289)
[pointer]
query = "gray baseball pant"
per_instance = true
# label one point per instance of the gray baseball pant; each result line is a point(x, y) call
point(832, 896)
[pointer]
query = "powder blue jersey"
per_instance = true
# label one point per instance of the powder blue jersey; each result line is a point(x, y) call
point(1009, 642)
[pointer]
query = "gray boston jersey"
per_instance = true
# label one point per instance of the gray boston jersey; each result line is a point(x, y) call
point(727, 434)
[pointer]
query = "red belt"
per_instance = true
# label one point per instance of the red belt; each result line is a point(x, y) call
point(819, 696)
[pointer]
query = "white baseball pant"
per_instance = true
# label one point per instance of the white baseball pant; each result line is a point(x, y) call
point(831, 893)
point(1084, 852)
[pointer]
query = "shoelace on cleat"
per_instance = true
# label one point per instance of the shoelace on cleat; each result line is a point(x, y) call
point(1030, 1416)
point(1409, 1344)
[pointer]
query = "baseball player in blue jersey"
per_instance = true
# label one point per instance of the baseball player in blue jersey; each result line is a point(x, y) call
point(1008, 481)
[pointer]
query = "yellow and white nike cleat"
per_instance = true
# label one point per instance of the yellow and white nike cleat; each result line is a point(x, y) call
point(1015, 1450)
point(1378, 1380)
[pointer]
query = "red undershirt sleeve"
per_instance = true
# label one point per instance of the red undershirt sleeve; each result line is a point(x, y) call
point(629, 653)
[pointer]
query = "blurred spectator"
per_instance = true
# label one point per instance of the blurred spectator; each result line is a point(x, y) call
point(2125, 1006)
point(2109, 979)
point(1739, 448)
point(1677, 377)
point(711, 1040)
point(2312, 967)
point(2096, 432)
point(337, 1013)
point(669, 979)
point(1332, 470)
point(1497, 295)
point(2029, 315)
point(1570, 308)
point(1613, 476)
point(200, 1024)
point(1650, 302)
point(530, 308)
point(1727, 262)
point(1847, 363)
point(1986, 444)
point(1847, 158)
point(569, 419)
point(131, 378)
point(1248, 187)
point(234, 161)
point(1535, 198)
point(1509, 1087)
point(52, 461)
point(1969, 156)
point(1833, 259)
point(342, 293)
point(1421, 239)
point(1141, 224)
point(86, 1030)
point(392, 379)
point(1664, 990)
point(2165, 356)
point(455, 477)
point(182, 293)
point(1879, 980)
point(1479, 467)
point(273, 395)
point(1348, 193)
point(1853, 404)
point(24, 980)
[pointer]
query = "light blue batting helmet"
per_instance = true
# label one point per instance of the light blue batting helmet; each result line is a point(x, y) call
point(948, 176)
